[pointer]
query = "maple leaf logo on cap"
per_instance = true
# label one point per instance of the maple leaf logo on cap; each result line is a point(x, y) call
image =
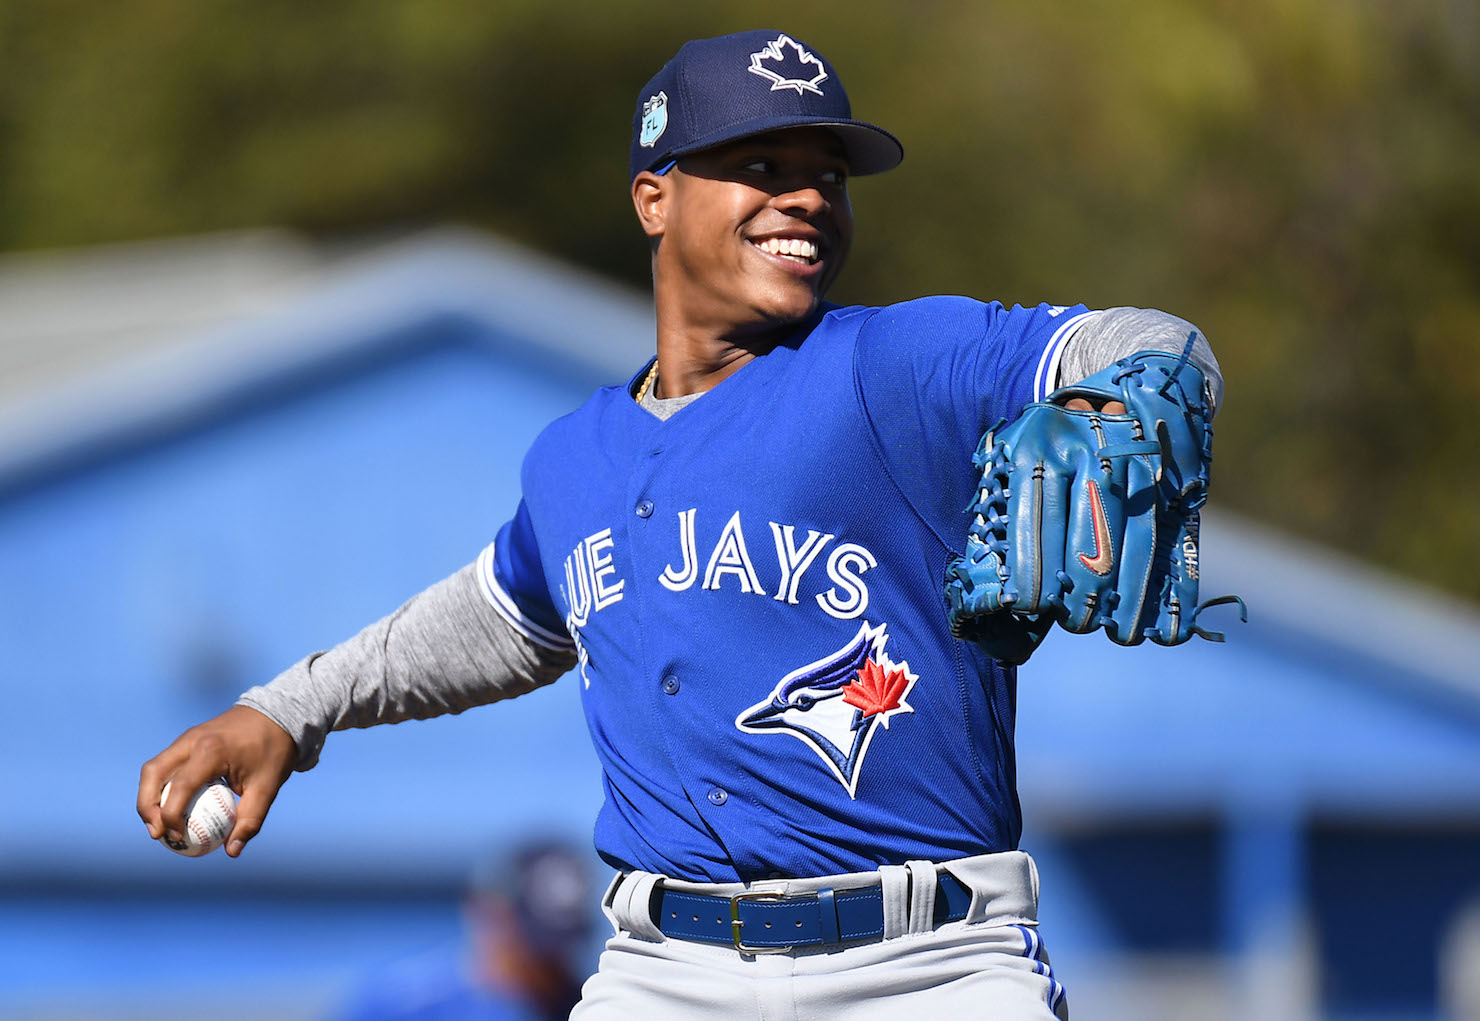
point(805, 73)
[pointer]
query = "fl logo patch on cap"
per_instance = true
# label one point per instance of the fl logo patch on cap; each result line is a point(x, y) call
point(654, 119)
point(789, 65)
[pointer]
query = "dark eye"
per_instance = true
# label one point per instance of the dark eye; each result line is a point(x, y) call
point(834, 176)
point(760, 166)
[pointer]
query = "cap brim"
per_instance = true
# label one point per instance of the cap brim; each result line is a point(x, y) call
point(871, 149)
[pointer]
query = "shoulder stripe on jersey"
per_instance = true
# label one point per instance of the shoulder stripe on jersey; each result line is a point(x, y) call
point(1046, 381)
point(502, 602)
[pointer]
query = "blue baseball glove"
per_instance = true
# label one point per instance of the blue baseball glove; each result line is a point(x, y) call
point(1090, 520)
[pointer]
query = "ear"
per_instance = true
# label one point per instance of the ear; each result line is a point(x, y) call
point(650, 195)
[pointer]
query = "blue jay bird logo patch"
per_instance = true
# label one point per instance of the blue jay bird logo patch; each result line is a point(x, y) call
point(836, 705)
point(788, 65)
point(654, 119)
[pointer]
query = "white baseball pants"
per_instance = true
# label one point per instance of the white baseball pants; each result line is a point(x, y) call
point(989, 965)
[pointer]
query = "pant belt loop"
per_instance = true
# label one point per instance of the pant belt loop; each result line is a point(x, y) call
point(895, 881)
point(827, 905)
point(633, 905)
point(923, 888)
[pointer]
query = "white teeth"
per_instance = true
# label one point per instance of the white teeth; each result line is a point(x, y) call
point(796, 248)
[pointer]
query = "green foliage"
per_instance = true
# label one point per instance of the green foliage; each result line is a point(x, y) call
point(1299, 177)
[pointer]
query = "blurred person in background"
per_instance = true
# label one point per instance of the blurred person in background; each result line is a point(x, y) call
point(527, 921)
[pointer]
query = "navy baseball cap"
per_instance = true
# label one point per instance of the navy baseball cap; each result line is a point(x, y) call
point(717, 90)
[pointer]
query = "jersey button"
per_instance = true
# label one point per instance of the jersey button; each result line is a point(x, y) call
point(670, 685)
point(718, 796)
point(644, 508)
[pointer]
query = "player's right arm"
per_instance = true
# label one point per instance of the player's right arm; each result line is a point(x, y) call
point(445, 651)
point(469, 640)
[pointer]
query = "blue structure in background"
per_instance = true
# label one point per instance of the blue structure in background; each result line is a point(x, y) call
point(1207, 819)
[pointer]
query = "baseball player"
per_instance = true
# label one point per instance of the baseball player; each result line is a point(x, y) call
point(738, 556)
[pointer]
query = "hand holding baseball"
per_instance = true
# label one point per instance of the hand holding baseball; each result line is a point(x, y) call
point(251, 752)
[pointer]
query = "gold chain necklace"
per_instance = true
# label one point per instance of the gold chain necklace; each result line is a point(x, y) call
point(648, 381)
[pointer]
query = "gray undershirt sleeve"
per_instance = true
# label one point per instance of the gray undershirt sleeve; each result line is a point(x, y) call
point(1106, 337)
point(445, 651)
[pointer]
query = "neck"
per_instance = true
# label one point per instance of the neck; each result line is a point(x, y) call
point(693, 359)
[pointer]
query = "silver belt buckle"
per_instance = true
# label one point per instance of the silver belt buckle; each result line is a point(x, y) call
point(736, 924)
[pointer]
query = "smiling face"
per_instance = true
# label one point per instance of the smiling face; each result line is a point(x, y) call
point(752, 233)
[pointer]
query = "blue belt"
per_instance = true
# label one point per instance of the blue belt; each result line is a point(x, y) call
point(755, 922)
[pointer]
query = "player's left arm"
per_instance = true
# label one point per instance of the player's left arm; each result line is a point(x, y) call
point(935, 374)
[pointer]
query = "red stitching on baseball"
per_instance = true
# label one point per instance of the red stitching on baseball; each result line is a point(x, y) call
point(199, 829)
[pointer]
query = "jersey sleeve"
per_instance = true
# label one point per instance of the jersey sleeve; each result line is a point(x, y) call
point(512, 579)
point(933, 375)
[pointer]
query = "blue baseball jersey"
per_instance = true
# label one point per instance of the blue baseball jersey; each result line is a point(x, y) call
point(753, 590)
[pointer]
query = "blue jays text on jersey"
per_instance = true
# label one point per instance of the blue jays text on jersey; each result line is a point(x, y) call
point(752, 588)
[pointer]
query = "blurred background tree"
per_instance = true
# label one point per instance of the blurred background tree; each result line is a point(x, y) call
point(1299, 177)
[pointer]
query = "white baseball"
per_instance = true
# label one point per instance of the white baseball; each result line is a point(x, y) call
point(208, 819)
